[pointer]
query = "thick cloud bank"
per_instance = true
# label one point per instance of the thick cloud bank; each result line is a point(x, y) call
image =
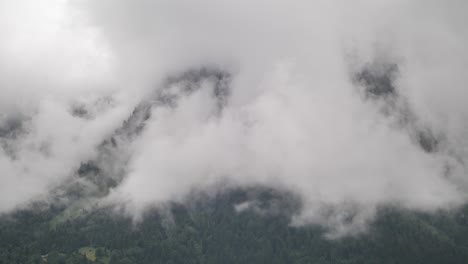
point(351, 105)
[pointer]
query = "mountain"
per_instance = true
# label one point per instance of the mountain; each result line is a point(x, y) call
point(222, 229)
point(249, 224)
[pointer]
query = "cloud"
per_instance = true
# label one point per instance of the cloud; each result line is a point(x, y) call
point(292, 113)
point(47, 65)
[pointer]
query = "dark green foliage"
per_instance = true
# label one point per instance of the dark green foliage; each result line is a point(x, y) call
point(209, 230)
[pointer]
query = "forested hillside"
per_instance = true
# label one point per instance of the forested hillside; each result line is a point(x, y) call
point(211, 230)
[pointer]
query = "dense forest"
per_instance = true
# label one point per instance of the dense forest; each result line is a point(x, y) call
point(211, 230)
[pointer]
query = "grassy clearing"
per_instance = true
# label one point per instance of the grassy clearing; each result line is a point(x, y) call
point(89, 252)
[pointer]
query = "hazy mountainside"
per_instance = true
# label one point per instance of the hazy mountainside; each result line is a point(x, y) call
point(94, 178)
point(236, 225)
point(109, 168)
point(240, 226)
point(222, 131)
